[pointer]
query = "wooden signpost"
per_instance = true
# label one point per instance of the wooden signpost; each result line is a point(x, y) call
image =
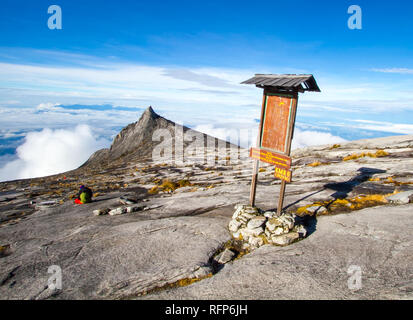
point(275, 134)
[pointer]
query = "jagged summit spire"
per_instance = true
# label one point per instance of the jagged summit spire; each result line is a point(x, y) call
point(149, 112)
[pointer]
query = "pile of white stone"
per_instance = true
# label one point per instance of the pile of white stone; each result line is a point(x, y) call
point(116, 211)
point(257, 228)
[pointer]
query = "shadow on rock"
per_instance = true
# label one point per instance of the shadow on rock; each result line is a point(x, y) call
point(344, 188)
point(309, 222)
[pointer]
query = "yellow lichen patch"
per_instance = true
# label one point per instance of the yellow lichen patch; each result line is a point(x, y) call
point(336, 146)
point(390, 180)
point(348, 204)
point(211, 186)
point(374, 179)
point(381, 153)
point(262, 170)
point(184, 183)
point(169, 186)
point(378, 154)
point(154, 190)
point(314, 164)
point(180, 283)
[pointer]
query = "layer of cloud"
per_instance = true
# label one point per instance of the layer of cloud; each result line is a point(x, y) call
point(393, 70)
point(399, 128)
point(52, 151)
point(306, 138)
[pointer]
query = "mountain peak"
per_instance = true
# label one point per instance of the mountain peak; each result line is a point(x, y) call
point(149, 112)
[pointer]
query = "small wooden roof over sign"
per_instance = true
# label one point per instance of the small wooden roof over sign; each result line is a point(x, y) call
point(288, 82)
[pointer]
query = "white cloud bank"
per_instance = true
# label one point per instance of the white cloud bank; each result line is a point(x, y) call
point(52, 151)
point(247, 137)
point(306, 138)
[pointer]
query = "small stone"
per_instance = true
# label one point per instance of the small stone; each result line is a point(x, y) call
point(101, 212)
point(256, 241)
point(273, 223)
point(117, 211)
point(278, 231)
point(225, 256)
point(287, 221)
point(256, 222)
point(302, 231)
point(236, 235)
point(237, 213)
point(234, 225)
point(400, 198)
point(269, 214)
point(246, 215)
point(257, 231)
point(124, 200)
point(285, 239)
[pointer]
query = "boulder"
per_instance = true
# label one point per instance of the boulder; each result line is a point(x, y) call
point(101, 212)
point(273, 223)
point(226, 256)
point(256, 241)
point(401, 198)
point(234, 225)
point(270, 214)
point(285, 239)
point(117, 211)
point(256, 222)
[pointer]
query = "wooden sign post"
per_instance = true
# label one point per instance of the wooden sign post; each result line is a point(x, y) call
point(276, 130)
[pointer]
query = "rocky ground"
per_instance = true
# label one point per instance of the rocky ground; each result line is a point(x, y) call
point(352, 198)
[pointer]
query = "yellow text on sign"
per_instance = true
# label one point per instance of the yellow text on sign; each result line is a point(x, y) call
point(283, 174)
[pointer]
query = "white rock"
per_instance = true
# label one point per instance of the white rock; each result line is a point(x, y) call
point(101, 212)
point(269, 214)
point(256, 222)
point(234, 225)
point(302, 231)
point(400, 198)
point(225, 256)
point(117, 211)
point(256, 241)
point(257, 231)
point(285, 239)
point(236, 234)
point(245, 233)
point(287, 221)
point(273, 223)
point(246, 216)
point(237, 213)
point(278, 231)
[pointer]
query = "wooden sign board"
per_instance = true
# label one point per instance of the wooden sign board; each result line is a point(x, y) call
point(275, 133)
point(270, 157)
point(276, 122)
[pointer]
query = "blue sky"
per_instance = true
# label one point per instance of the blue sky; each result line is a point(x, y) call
point(112, 59)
